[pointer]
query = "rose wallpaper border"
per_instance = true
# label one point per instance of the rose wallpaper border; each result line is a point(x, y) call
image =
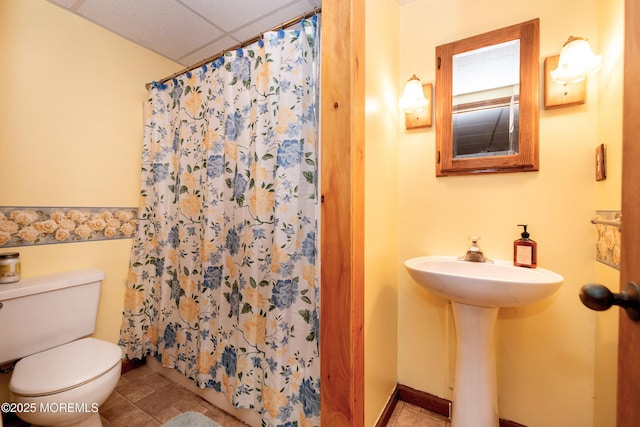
point(30, 226)
point(608, 245)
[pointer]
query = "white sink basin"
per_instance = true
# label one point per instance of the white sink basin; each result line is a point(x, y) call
point(477, 291)
point(497, 284)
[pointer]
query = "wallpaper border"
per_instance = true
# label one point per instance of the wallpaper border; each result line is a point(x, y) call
point(30, 226)
point(608, 244)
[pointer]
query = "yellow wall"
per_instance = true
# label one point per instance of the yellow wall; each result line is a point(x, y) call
point(610, 76)
point(71, 134)
point(546, 356)
point(381, 195)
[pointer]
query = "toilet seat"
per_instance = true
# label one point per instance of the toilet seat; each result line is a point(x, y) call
point(64, 367)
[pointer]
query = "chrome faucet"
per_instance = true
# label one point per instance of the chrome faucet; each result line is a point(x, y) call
point(474, 254)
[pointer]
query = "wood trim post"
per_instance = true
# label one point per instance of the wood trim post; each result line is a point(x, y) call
point(342, 213)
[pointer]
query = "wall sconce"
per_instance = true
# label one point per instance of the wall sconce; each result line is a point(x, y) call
point(416, 103)
point(564, 75)
point(576, 62)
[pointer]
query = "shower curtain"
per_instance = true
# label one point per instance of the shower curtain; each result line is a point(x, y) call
point(223, 279)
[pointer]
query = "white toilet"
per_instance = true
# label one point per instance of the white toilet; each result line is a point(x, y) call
point(62, 375)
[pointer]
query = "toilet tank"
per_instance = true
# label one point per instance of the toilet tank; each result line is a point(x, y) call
point(39, 313)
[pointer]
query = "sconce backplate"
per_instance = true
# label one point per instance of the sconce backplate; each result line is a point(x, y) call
point(421, 118)
point(558, 95)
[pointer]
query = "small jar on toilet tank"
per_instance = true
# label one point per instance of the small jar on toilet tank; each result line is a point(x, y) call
point(9, 267)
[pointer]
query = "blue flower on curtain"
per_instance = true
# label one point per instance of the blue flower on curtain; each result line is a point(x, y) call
point(223, 282)
point(229, 361)
point(234, 126)
point(233, 242)
point(289, 153)
point(176, 92)
point(169, 335)
point(212, 277)
point(215, 166)
point(285, 293)
point(241, 69)
point(160, 172)
point(239, 187)
point(309, 247)
point(309, 397)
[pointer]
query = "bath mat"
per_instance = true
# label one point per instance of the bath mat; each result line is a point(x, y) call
point(191, 419)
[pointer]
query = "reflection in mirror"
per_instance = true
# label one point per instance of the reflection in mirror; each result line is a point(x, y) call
point(487, 102)
point(485, 85)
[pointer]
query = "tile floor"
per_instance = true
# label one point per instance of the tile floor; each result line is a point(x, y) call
point(408, 415)
point(144, 398)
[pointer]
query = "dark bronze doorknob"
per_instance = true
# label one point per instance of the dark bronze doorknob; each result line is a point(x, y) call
point(599, 297)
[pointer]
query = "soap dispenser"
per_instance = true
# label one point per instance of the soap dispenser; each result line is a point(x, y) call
point(525, 250)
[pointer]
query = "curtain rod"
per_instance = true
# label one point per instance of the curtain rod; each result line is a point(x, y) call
point(286, 24)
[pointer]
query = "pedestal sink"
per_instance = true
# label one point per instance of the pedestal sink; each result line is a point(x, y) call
point(477, 291)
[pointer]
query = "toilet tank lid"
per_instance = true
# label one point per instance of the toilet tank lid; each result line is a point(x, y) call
point(38, 284)
point(64, 367)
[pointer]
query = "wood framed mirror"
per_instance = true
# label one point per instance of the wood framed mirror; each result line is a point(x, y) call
point(488, 102)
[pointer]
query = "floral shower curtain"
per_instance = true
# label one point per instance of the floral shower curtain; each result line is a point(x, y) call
point(223, 284)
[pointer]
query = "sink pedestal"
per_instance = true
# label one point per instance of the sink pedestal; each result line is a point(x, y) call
point(475, 391)
point(477, 290)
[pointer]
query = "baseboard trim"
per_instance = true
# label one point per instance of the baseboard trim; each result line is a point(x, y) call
point(426, 401)
point(416, 397)
point(131, 364)
point(384, 418)
point(507, 423)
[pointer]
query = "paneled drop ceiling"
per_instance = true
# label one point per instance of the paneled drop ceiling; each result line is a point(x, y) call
point(188, 31)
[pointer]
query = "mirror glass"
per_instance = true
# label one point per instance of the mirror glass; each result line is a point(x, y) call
point(487, 102)
point(485, 87)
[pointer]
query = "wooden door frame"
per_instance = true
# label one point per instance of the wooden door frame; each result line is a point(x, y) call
point(342, 214)
point(628, 412)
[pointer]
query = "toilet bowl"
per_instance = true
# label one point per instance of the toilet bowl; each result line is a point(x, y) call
point(62, 375)
point(65, 386)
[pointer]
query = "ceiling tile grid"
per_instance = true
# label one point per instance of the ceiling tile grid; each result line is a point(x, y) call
point(188, 31)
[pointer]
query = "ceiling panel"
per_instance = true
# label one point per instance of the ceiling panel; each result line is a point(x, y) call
point(165, 27)
point(234, 14)
point(272, 20)
point(187, 31)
